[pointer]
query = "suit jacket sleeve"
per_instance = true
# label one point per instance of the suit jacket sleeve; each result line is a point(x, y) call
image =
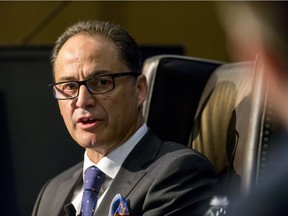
point(37, 203)
point(184, 186)
point(56, 192)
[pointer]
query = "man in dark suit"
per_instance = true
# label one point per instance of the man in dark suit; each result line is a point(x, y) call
point(100, 93)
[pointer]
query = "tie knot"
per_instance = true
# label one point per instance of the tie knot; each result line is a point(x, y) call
point(93, 179)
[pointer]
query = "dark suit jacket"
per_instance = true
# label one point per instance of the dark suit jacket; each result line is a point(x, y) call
point(157, 178)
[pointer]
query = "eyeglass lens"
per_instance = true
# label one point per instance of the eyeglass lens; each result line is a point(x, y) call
point(95, 85)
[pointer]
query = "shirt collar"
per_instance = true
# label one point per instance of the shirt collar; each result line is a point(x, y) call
point(111, 163)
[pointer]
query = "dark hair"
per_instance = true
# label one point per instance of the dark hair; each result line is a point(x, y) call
point(128, 49)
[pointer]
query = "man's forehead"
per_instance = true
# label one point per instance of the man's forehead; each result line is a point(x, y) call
point(83, 47)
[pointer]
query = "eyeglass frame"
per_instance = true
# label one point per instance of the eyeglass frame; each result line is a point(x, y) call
point(84, 82)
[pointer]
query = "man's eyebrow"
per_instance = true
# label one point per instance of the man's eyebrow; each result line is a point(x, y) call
point(66, 78)
point(98, 73)
point(92, 74)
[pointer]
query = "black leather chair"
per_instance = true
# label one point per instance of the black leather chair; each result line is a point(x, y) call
point(176, 84)
point(218, 109)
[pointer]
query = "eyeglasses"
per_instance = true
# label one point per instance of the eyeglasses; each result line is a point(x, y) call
point(95, 85)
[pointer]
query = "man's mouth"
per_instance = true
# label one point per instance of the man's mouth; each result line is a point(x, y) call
point(88, 120)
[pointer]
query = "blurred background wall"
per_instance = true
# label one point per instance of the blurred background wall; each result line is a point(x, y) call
point(34, 143)
point(193, 25)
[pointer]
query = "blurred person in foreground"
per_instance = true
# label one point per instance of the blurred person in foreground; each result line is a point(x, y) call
point(100, 92)
point(261, 28)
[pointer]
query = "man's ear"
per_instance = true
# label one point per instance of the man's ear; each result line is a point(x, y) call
point(142, 88)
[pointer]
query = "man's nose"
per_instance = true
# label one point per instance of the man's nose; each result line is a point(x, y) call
point(85, 98)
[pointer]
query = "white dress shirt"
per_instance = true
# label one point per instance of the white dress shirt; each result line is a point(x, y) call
point(110, 165)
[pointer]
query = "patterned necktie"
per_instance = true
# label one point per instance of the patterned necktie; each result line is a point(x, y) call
point(93, 179)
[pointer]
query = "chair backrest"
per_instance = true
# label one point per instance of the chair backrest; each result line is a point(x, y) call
point(176, 84)
point(218, 109)
point(231, 124)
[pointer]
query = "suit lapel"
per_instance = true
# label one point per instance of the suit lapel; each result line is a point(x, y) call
point(65, 189)
point(131, 172)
